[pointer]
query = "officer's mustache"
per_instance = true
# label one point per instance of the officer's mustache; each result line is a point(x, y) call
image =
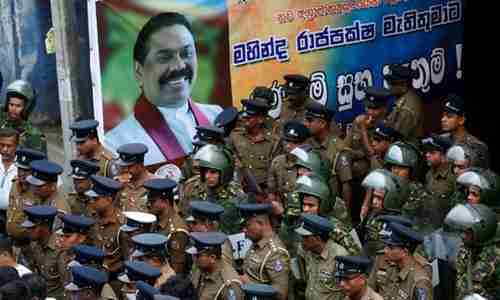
point(186, 72)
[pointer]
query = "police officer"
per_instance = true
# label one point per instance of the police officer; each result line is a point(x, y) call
point(359, 138)
point(135, 223)
point(387, 195)
point(160, 197)
point(104, 200)
point(212, 278)
point(282, 174)
point(297, 96)
point(453, 123)
point(318, 119)
point(319, 255)
point(152, 248)
point(90, 148)
point(481, 186)
point(205, 134)
point(313, 194)
point(20, 191)
point(407, 115)
point(403, 160)
point(86, 283)
point(257, 291)
point(409, 279)
point(382, 138)
point(267, 95)
point(205, 217)
point(42, 252)
point(351, 276)
point(43, 182)
point(439, 180)
point(78, 201)
point(133, 174)
point(19, 104)
point(267, 261)
point(478, 263)
point(253, 146)
point(217, 185)
point(91, 256)
point(137, 271)
point(461, 157)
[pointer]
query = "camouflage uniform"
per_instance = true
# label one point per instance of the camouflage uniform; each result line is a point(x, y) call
point(29, 136)
point(418, 207)
point(407, 116)
point(320, 273)
point(440, 183)
point(478, 271)
point(222, 284)
point(175, 229)
point(268, 262)
point(228, 196)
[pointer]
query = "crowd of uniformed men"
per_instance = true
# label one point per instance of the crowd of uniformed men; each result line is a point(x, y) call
point(369, 211)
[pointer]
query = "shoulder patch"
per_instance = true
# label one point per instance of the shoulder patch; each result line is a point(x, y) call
point(278, 265)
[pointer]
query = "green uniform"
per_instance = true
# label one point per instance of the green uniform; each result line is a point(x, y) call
point(479, 148)
point(18, 198)
point(407, 116)
point(320, 273)
point(29, 136)
point(415, 207)
point(228, 196)
point(132, 196)
point(79, 204)
point(441, 184)
point(478, 271)
point(282, 177)
point(222, 284)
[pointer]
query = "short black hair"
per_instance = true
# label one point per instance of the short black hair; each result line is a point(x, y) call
point(8, 132)
point(154, 24)
point(179, 286)
point(6, 245)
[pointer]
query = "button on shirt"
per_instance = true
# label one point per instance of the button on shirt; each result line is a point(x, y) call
point(6, 177)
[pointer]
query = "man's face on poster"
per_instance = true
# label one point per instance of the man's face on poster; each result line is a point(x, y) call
point(170, 66)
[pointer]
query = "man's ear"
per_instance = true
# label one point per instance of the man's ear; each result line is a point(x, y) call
point(139, 72)
point(461, 120)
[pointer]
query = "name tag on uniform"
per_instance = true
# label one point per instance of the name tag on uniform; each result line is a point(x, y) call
point(240, 245)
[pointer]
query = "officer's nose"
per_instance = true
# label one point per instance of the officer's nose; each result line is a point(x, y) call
point(177, 63)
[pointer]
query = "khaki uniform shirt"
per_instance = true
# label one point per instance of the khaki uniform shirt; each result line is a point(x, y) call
point(371, 295)
point(282, 177)
point(133, 194)
point(268, 262)
point(414, 280)
point(441, 184)
point(407, 116)
point(220, 285)
point(320, 273)
point(175, 229)
point(79, 204)
point(42, 259)
point(106, 238)
point(103, 158)
point(254, 153)
point(18, 199)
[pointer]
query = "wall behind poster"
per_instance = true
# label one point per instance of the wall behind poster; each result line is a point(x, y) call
point(23, 28)
point(344, 45)
point(119, 22)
